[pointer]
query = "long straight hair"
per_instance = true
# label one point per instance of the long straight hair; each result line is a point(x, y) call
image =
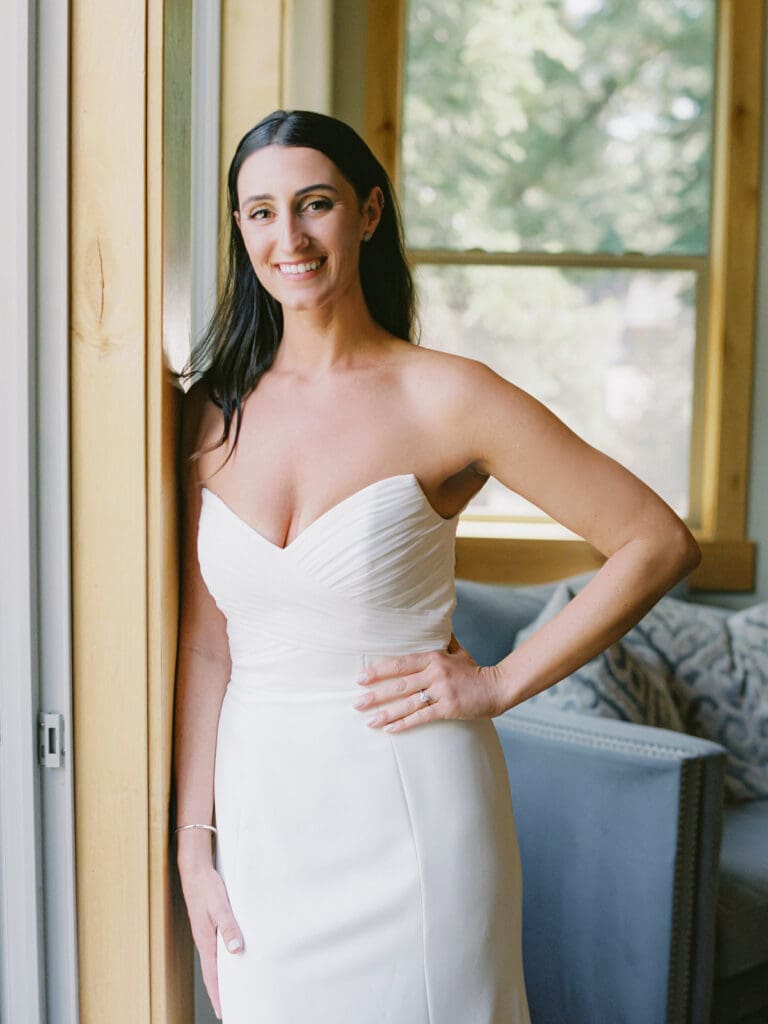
point(242, 337)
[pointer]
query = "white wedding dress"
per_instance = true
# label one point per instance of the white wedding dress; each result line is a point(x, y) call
point(375, 876)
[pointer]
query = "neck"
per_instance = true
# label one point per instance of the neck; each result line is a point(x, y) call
point(331, 337)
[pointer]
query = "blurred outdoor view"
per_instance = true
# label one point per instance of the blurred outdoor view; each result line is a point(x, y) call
point(567, 126)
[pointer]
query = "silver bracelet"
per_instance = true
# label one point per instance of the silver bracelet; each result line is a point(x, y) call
point(210, 828)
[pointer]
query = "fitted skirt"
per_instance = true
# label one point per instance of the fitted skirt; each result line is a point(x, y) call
point(375, 877)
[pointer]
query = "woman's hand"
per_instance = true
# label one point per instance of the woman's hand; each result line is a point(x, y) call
point(456, 685)
point(209, 910)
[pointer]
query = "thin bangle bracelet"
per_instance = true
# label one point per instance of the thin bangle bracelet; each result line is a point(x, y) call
point(210, 828)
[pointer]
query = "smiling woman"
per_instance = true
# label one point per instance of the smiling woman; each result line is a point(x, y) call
point(249, 318)
point(366, 864)
point(302, 234)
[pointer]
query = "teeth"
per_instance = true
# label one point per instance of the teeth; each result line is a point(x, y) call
point(299, 268)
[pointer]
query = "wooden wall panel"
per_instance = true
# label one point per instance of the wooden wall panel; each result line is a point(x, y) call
point(736, 181)
point(252, 76)
point(109, 557)
point(384, 82)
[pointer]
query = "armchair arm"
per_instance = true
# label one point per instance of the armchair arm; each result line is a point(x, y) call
point(619, 828)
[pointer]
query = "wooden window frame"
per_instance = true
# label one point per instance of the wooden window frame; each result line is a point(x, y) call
point(728, 561)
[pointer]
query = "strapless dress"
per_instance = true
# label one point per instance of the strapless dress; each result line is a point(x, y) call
point(375, 876)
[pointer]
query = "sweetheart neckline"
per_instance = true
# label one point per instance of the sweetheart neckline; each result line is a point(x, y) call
point(335, 508)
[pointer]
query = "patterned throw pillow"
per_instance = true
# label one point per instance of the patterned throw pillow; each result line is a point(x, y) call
point(712, 663)
point(716, 663)
point(615, 684)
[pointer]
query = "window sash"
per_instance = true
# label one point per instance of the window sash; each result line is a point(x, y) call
point(698, 265)
point(726, 315)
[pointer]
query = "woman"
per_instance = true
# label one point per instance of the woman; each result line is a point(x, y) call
point(366, 863)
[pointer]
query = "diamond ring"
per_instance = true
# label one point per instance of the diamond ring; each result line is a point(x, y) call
point(424, 697)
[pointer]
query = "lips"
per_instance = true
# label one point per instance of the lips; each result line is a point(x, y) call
point(294, 269)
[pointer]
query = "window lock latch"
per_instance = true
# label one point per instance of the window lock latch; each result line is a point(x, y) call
point(50, 733)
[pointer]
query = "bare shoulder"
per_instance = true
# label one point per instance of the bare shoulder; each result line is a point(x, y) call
point(461, 383)
point(486, 420)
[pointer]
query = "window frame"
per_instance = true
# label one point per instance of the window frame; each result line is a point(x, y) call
point(724, 378)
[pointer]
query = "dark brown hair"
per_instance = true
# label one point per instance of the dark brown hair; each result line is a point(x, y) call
point(243, 335)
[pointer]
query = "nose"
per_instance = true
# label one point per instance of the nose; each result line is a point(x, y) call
point(293, 235)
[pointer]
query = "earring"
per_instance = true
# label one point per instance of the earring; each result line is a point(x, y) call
point(367, 236)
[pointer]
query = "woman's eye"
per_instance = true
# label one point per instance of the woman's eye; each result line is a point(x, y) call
point(259, 214)
point(319, 204)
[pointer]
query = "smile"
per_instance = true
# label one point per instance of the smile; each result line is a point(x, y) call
point(293, 269)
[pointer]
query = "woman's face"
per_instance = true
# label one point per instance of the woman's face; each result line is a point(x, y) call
point(302, 224)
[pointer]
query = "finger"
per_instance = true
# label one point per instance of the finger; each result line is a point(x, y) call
point(210, 975)
point(390, 689)
point(425, 714)
point(395, 711)
point(386, 668)
point(227, 928)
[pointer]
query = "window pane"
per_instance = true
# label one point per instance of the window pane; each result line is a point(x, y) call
point(609, 351)
point(558, 125)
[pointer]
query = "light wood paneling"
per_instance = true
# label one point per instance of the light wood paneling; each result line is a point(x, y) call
point(733, 267)
point(251, 66)
point(514, 560)
point(383, 86)
point(725, 565)
point(135, 954)
point(109, 555)
point(252, 77)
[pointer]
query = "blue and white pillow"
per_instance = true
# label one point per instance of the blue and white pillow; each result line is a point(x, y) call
point(688, 667)
point(716, 664)
point(615, 684)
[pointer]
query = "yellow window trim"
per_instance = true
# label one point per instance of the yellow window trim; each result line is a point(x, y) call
point(729, 557)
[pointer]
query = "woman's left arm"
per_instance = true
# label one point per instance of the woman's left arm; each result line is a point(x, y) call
point(648, 548)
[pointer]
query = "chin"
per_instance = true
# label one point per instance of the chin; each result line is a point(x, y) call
point(300, 302)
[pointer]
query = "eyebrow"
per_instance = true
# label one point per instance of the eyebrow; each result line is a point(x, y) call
point(301, 192)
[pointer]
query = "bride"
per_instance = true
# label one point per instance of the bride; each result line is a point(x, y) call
point(331, 735)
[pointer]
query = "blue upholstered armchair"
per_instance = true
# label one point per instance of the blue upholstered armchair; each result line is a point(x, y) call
point(645, 893)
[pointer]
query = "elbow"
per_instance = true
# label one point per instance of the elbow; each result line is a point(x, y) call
point(682, 551)
point(670, 553)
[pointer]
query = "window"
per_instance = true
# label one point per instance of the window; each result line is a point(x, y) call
point(571, 172)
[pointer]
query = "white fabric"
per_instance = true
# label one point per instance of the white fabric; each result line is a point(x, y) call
point(375, 876)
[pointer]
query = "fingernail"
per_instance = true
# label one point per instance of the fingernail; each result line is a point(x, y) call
point(372, 721)
point(360, 703)
point(233, 945)
point(362, 678)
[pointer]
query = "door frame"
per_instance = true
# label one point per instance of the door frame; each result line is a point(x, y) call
point(38, 945)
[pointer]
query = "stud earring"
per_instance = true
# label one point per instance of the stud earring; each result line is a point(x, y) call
point(367, 236)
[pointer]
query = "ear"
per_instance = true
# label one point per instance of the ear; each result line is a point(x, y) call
point(236, 215)
point(372, 209)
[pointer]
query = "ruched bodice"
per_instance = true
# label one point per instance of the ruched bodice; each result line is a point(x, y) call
point(375, 876)
point(372, 574)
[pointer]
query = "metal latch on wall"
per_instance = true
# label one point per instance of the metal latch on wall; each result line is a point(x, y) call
point(50, 731)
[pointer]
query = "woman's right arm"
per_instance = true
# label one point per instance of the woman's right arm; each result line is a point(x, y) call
point(202, 672)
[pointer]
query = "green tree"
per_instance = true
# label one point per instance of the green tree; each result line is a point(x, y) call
point(558, 125)
point(567, 125)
